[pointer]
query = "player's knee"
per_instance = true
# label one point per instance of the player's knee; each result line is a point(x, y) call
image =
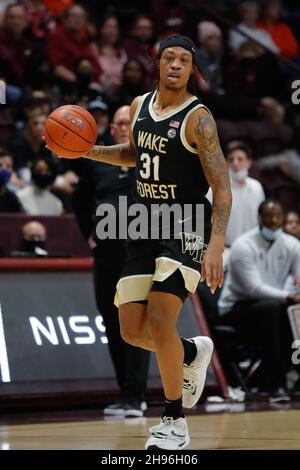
point(131, 335)
point(158, 327)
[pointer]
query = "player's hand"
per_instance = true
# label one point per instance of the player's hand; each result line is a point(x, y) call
point(212, 267)
point(58, 156)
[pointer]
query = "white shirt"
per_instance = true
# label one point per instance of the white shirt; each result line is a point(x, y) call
point(38, 201)
point(245, 202)
point(263, 37)
point(244, 211)
point(259, 269)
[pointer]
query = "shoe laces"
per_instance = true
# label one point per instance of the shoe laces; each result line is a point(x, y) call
point(187, 384)
point(165, 421)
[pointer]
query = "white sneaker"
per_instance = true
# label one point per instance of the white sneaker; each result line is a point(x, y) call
point(170, 434)
point(194, 375)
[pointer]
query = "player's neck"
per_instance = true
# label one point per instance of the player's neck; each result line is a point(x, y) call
point(170, 98)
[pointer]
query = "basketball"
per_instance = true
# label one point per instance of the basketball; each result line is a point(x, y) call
point(70, 131)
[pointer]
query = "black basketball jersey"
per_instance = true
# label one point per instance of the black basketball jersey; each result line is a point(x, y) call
point(168, 169)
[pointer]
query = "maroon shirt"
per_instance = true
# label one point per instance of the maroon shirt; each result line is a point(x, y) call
point(15, 55)
point(64, 49)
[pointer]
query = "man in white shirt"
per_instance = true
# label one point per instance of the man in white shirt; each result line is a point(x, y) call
point(247, 193)
point(254, 298)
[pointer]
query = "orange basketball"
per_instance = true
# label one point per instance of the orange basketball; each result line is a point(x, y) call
point(70, 131)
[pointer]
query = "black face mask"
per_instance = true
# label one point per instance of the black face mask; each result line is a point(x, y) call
point(30, 245)
point(42, 180)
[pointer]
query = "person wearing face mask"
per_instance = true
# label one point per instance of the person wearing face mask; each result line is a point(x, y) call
point(247, 193)
point(37, 198)
point(8, 200)
point(34, 237)
point(255, 295)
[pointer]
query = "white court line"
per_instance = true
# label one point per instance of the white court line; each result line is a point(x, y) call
point(4, 366)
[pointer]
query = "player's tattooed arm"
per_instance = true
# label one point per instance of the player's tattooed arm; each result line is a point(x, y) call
point(215, 169)
point(120, 155)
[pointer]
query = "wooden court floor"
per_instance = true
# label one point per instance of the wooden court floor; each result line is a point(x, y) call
point(248, 430)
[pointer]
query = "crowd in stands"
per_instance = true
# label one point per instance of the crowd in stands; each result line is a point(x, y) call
point(55, 52)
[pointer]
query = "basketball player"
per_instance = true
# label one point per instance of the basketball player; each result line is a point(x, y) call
point(175, 148)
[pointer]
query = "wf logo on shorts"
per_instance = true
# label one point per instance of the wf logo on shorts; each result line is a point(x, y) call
point(2, 92)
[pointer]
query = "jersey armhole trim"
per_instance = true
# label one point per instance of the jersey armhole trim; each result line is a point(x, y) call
point(183, 126)
point(138, 109)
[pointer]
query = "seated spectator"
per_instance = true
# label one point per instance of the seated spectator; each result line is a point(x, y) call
point(254, 299)
point(99, 110)
point(133, 83)
point(137, 45)
point(280, 32)
point(28, 145)
point(292, 224)
point(34, 239)
point(247, 193)
point(111, 55)
point(40, 18)
point(211, 52)
point(8, 200)
point(16, 48)
point(37, 198)
point(58, 6)
point(249, 13)
point(68, 43)
point(14, 183)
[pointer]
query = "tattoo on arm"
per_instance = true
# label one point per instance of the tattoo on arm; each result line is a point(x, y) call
point(216, 171)
point(122, 154)
point(221, 213)
point(211, 155)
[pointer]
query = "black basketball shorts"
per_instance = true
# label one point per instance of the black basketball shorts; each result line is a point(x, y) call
point(171, 266)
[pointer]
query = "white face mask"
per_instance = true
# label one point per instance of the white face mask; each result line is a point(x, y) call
point(269, 234)
point(238, 176)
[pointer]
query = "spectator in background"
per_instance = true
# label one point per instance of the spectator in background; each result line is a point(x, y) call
point(102, 183)
point(248, 14)
point(211, 51)
point(28, 145)
point(247, 193)
point(14, 183)
point(58, 6)
point(40, 18)
point(34, 239)
point(8, 200)
point(137, 45)
point(292, 224)
point(280, 32)
point(68, 43)
point(111, 55)
point(16, 48)
point(254, 298)
point(133, 83)
point(37, 198)
point(99, 110)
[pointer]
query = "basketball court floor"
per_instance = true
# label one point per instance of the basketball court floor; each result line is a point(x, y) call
point(209, 429)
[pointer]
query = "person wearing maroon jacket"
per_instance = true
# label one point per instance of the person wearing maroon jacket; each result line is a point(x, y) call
point(15, 47)
point(69, 43)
